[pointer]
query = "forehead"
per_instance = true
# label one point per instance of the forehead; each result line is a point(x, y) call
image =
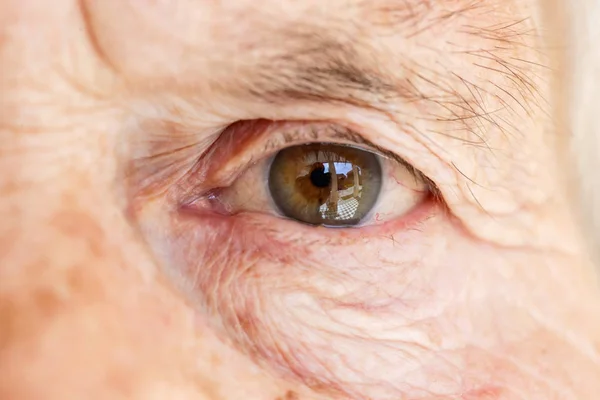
point(148, 39)
point(256, 23)
point(461, 68)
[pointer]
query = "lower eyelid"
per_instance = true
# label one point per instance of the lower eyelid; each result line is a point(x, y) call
point(229, 262)
point(283, 230)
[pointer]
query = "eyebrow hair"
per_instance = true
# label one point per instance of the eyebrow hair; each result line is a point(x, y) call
point(329, 66)
point(321, 71)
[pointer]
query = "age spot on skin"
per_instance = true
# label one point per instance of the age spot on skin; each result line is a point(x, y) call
point(289, 395)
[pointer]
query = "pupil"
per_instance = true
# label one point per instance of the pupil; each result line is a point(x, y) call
point(319, 177)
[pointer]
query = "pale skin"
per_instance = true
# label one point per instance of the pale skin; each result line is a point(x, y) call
point(119, 281)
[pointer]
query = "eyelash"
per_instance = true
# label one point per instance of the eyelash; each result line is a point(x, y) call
point(246, 143)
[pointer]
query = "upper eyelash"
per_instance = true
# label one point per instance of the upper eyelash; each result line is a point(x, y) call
point(312, 132)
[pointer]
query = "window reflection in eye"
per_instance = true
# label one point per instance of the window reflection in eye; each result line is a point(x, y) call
point(325, 184)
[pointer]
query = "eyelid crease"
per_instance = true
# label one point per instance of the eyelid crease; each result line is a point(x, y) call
point(334, 131)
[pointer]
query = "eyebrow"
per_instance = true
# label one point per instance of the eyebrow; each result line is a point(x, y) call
point(327, 65)
point(322, 71)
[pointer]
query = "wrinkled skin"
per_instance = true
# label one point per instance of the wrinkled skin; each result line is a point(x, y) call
point(113, 287)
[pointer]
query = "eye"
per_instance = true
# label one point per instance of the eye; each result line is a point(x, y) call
point(325, 184)
point(280, 169)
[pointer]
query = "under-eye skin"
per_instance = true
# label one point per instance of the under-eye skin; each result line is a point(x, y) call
point(325, 184)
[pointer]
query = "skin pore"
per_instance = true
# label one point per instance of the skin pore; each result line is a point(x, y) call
point(141, 257)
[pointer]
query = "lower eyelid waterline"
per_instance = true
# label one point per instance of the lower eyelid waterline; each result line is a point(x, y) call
point(286, 230)
point(263, 223)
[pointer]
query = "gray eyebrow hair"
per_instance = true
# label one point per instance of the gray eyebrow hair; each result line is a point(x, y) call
point(329, 67)
point(321, 72)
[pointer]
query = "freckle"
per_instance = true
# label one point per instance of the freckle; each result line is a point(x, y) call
point(79, 224)
point(215, 360)
point(289, 395)
point(47, 301)
point(487, 393)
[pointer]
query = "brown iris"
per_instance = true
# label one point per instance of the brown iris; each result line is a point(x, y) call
point(325, 184)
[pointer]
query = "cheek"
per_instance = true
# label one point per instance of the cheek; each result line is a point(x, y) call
point(350, 313)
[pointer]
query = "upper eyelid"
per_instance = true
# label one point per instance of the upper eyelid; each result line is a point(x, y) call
point(306, 132)
point(327, 131)
point(262, 139)
point(344, 133)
